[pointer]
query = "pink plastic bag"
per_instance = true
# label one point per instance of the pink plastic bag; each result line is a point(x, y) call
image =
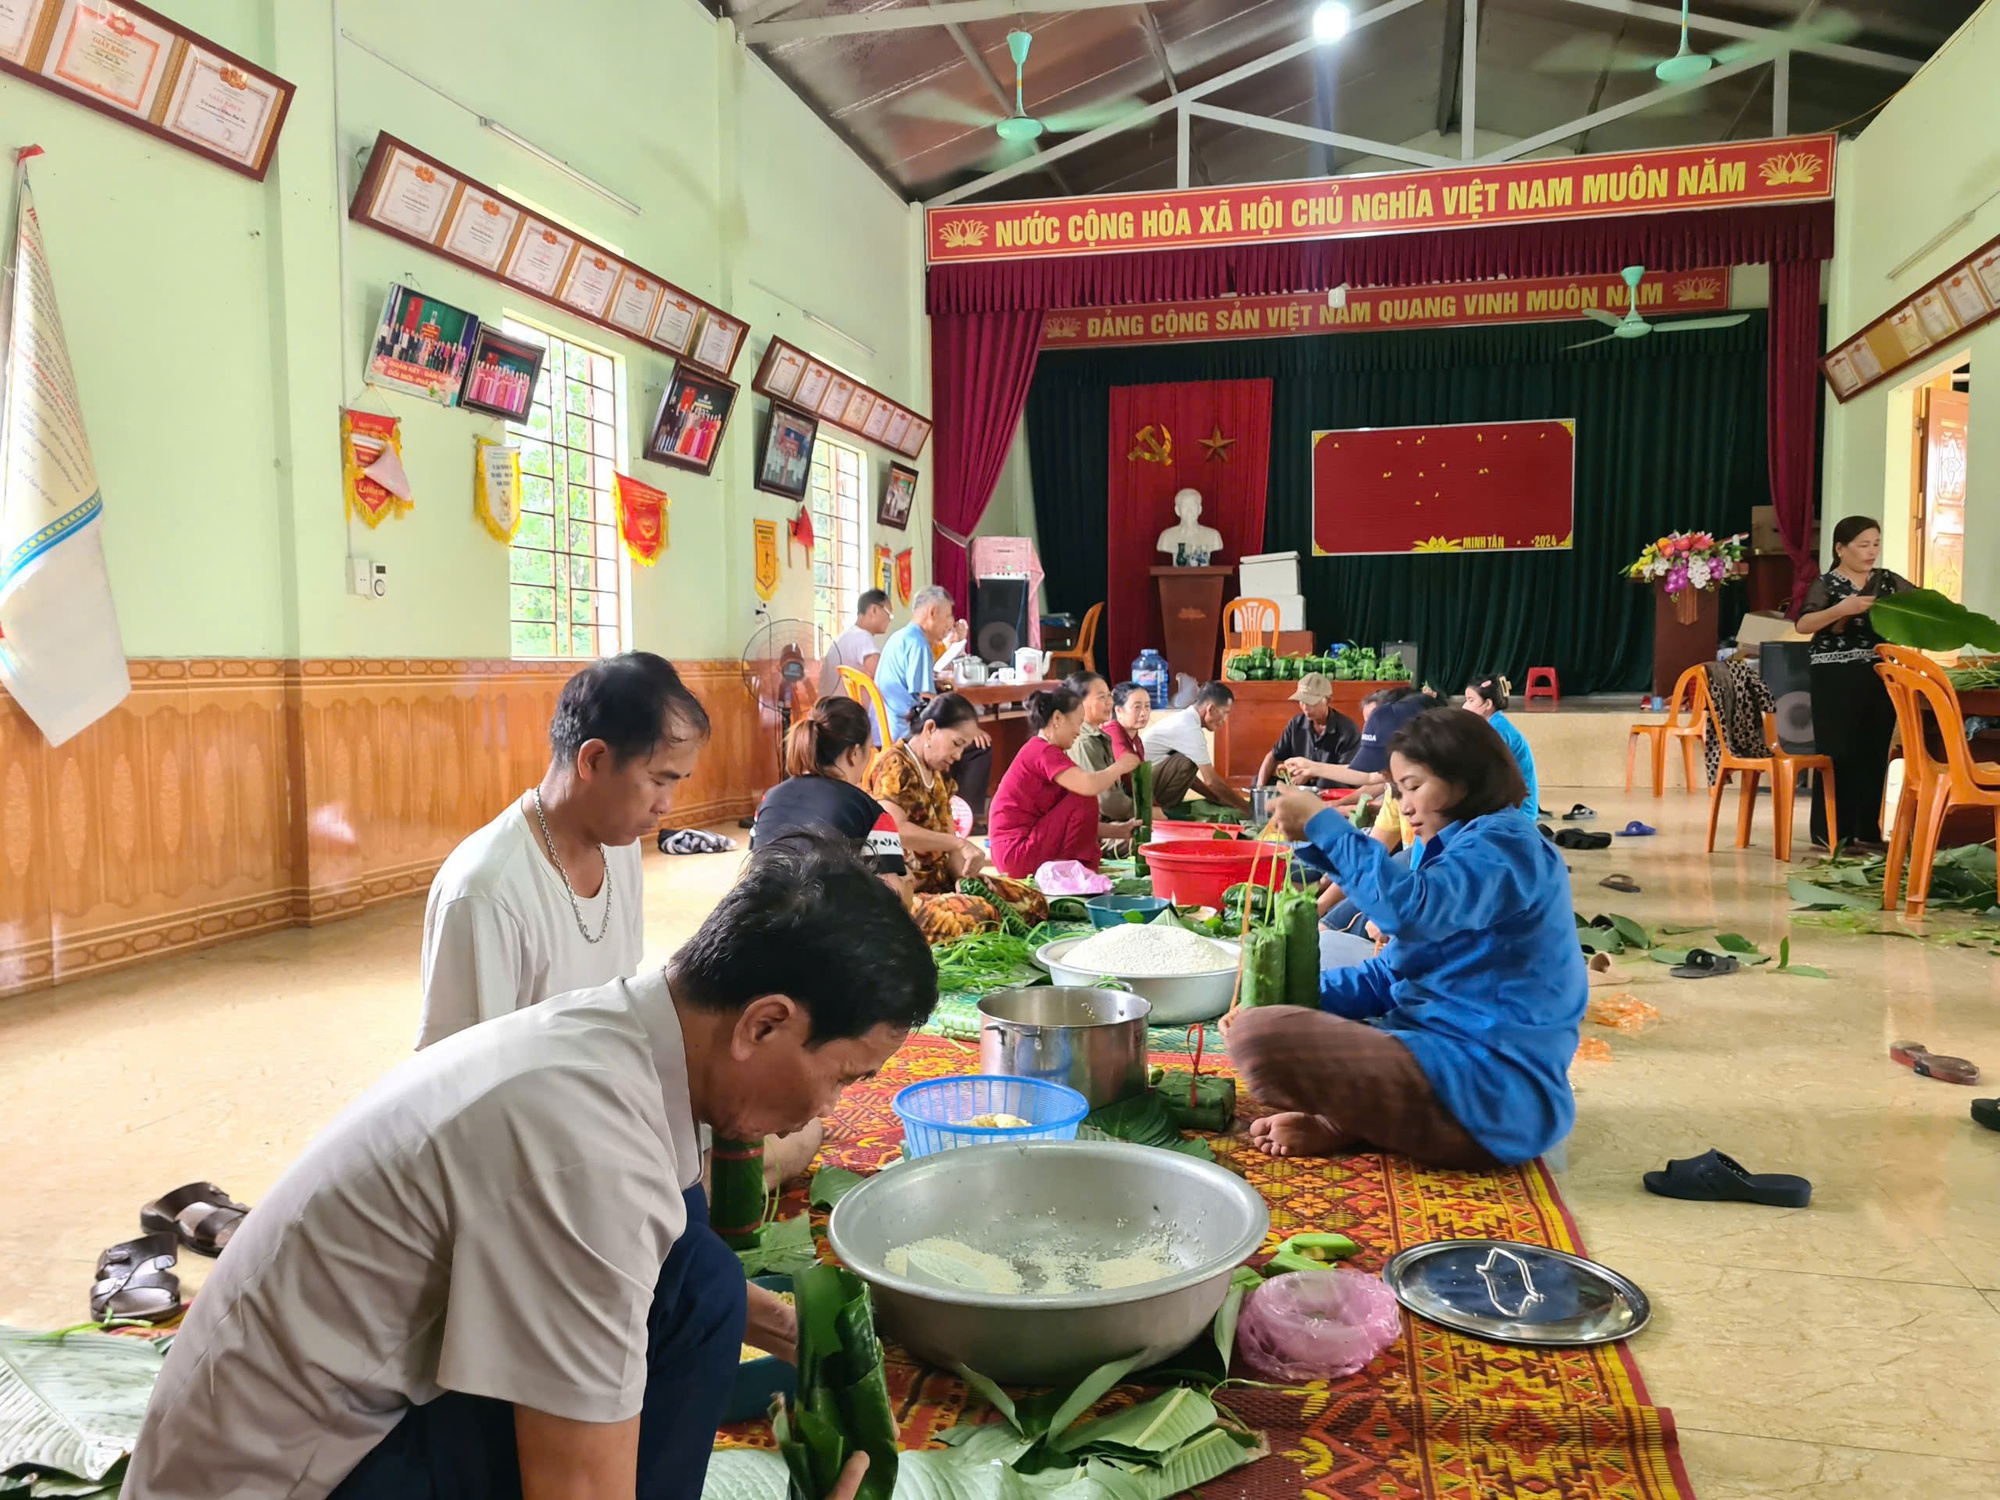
point(1066, 877)
point(1315, 1325)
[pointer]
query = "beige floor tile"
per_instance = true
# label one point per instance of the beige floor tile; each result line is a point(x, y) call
point(1734, 1467)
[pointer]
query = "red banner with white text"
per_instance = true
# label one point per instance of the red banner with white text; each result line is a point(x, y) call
point(1366, 309)
point(1464, 487)
point(1731, 175)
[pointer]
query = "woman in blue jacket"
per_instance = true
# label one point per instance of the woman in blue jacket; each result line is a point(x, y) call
point(1452, 1044)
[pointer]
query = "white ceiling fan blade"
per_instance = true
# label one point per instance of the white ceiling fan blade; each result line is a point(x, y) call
point(1588, 342)
point(1690, 325)
point(1829, 26)
point(1599, 315)
point(931, 104)
point(1090, 116)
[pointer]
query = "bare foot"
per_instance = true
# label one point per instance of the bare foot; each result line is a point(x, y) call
point(786, 1156)
point(1294, 1134)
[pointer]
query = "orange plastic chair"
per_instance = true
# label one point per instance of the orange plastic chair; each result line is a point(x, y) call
point(1245, 619)
point(1084, 652)
point(1782, 768)
point(1956, 781)
point(861, 688)
point(1689, 693)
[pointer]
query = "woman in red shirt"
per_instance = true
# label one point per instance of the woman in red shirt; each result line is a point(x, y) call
point(1132, 711)
point(1046, 806)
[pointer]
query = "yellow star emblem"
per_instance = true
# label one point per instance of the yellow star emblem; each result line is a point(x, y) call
point(1217, 445)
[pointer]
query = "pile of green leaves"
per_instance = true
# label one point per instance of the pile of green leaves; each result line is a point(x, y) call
point(70, 1408)
point(842, 1405)
point(1972, 676)
point(784, 1247)
point(1143, 1120)
point(1962, 879)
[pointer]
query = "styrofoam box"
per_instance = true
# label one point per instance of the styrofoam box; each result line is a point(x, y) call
point(1269, 575)
point(1291, 610)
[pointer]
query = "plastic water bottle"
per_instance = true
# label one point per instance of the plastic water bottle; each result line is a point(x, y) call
point(1150, 672)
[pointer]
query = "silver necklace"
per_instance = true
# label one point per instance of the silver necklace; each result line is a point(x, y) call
point(576, 910)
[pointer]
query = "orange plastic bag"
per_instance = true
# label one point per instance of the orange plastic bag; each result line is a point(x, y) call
point(1621, 1012)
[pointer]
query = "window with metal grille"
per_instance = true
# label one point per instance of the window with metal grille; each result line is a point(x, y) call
point(566, 568)
point(834, 493)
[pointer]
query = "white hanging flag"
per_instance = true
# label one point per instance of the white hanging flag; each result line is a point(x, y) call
point(60, 652)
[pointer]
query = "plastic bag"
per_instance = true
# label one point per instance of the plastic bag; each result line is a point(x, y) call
point(1621, 1012)
point(1066, 877)
point(1316, 1325)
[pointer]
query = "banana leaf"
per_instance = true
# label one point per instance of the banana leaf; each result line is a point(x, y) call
point(843, 1400)
point(1156, 1426)
point(784, 1247)
point(71, 1404)
point(1143, 1120)
point(831, 1184)
point(1928, 621)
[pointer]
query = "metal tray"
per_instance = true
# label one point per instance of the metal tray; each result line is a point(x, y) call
point(1513, 1293)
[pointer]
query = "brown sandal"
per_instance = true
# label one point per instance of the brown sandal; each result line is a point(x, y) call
point(135, 1281)
point(1928, 1064)
point(200, 1214)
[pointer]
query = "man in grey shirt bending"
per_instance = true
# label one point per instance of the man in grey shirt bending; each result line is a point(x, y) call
point(493, 1274)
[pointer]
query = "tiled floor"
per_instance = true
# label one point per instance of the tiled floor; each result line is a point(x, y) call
point(1850, 1349)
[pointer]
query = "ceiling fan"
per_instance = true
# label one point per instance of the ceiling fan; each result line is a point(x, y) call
point(1586, 54)
point(1633, 326)
point(1020, 130)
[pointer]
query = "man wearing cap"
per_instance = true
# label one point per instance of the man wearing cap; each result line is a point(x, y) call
point(1318, 734)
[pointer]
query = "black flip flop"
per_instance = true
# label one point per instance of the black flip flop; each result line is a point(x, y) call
point(1576, 838)
point(1701, 964)
point(199, 1213)
point(1987, 1112)
point(134, 1281)
point(1715, 1178)
point(1623, 883)
point(1579, 814)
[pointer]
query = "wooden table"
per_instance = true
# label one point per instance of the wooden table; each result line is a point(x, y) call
point(1262, 710)
point(1004, 717)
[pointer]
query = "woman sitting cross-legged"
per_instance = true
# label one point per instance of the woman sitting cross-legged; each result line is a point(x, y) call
point(1452, 1045)
point(1046, 807)
point(826, 758)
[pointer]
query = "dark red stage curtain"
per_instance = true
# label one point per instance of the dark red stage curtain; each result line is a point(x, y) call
point(1233, 477)
point(981, 367)
point(1661, 242)
point(1792, 403)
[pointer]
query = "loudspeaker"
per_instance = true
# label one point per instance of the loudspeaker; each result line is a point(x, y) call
point(1786, 669)
point(999, 618)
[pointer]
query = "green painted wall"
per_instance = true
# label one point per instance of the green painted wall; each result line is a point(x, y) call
point(218, 325)
point(1930, 160)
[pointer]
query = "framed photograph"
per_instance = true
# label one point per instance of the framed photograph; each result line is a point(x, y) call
point(786, 462)
point(421, 346)
point(899, 493)
point(693, 414)
point(500, 378)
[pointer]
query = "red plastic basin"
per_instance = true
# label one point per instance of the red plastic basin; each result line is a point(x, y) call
point(1195, 872)
point(1172, 828)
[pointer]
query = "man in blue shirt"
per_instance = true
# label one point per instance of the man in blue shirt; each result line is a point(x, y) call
point(1487, 697)
point(1452, 1044)
point(906, 676)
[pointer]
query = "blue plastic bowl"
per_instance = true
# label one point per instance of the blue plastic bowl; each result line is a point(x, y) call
point(1109, 911)
point(933, 1113)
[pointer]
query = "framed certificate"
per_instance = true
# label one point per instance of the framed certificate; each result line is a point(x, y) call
point(1935, 314)
point(1862, 357)
point(878, 420)
point(593, 277)
point(111, 53)
point(17, 27)
point(673, 324)
point(896, 428)
point(715, 345)
point(839, 391)
point(1986, 267)
point(1968, 300)
point(635, 302)
point(783, 365)
point(812, 385)
point(916, 437)
point(1840, 370)
point(480, 228)
point(860, 406)
point(411, 196)
point(224, 108)
point(539, 258)
point(1909, 330)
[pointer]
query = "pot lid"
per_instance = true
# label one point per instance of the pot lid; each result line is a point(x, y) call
point(1513, 1293)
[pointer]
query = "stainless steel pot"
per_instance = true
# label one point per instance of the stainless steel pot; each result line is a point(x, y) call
point(1092, 1040)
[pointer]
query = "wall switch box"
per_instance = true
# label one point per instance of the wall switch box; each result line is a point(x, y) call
point(368, 579)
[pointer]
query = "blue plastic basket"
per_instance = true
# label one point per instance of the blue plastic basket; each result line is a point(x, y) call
point(1110, 911)
point(932, 1112)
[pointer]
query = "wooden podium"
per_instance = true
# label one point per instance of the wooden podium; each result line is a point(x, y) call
point(1678, 645)
point(1191, 617)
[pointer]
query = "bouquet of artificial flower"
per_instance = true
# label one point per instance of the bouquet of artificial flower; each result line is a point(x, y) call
point(1689, 560)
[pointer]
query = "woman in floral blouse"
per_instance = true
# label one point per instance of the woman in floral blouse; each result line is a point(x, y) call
point(912, 779)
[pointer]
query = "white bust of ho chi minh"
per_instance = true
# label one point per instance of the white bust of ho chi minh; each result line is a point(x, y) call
point(1190, 544)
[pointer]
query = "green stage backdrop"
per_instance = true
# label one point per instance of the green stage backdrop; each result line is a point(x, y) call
point(1669, 433)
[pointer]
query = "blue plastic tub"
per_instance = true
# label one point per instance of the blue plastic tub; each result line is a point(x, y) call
point(759, 1382)
point(1110, 911)
point(933, 1113)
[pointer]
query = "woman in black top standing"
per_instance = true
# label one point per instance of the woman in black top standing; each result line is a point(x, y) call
point(1853, 719)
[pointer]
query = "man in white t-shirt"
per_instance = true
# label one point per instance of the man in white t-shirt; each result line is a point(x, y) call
point(1177, 749)
point(546, 898)
point(493, 1274)
point(859, 646)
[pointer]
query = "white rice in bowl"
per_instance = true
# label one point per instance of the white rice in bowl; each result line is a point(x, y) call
point(1132, 951)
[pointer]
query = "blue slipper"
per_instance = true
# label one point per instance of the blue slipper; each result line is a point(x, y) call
point(1715, 1178)
point(1636, 830)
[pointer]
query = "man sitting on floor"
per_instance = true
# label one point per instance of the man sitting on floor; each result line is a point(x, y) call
point(493, 1274)
point(1177, 749)
point(1318, 732)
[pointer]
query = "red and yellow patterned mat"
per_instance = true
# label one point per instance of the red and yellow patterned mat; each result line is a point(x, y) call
point(1437, 1416)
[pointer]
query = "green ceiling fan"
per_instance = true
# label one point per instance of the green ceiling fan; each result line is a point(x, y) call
point(1587, 55)
point(1633, 326)
point(1020, 130)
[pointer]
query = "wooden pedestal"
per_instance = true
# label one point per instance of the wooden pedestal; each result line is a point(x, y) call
point(1191, 618)
point(1676, 646)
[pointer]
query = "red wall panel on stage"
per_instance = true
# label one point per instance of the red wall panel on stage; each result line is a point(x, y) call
point(1467, 487)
